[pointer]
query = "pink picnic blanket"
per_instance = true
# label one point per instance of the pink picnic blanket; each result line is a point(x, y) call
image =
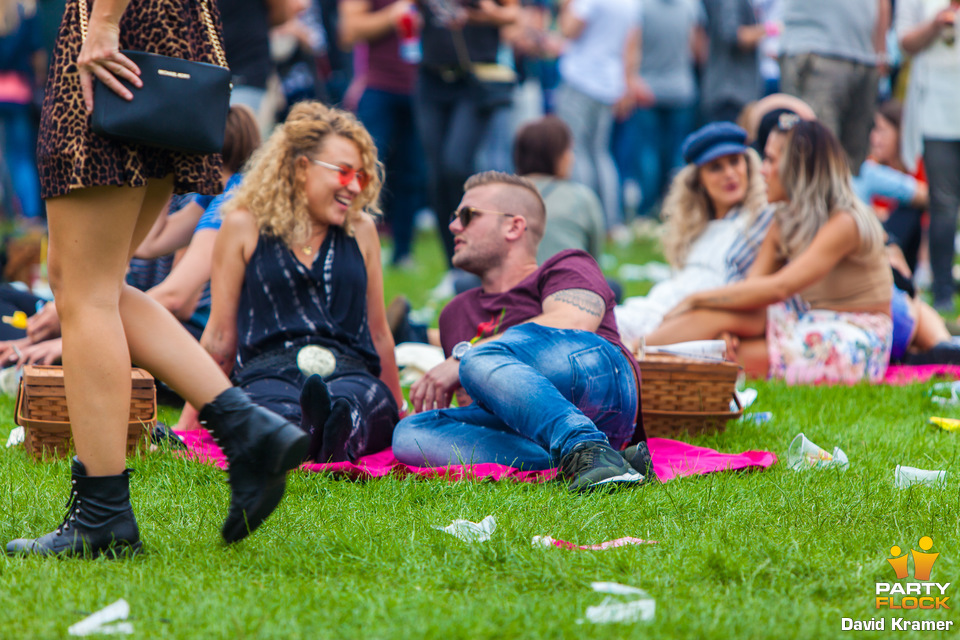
point(671, 458)
point(902, 374)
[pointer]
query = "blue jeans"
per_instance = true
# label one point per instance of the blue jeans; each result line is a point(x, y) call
point(537, 392)
point(389, 119)
point(647, 146)
point(18, 134)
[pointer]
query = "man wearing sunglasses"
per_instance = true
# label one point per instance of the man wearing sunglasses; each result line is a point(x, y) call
point(535, 348)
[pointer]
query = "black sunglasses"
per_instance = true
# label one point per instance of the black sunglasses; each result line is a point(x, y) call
point(466, 215)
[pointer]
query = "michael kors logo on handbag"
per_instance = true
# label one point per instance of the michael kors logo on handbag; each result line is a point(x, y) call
point(173, 74)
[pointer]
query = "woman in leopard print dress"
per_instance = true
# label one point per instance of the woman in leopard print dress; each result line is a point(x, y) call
point(102, 198)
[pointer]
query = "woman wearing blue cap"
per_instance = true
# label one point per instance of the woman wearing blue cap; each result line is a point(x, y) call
point(715, 223)
point(816, 305)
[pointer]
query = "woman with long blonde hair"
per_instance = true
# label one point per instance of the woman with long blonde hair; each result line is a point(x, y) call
point(298, 315)
point(715, 219)
point(816, 306)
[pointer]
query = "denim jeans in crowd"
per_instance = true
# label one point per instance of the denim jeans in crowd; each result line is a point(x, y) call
point(452, 126)
point(537, 392)
point(18, 135)
point(942, 161)
point(647, 145)
point(390, 120)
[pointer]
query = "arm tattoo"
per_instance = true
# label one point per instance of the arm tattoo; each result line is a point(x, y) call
point(583, 299)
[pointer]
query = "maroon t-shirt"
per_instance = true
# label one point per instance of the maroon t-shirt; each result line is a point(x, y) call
point(386, 71)
point(475, 314)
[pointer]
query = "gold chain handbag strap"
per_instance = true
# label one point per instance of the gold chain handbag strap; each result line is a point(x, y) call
point(204, 14)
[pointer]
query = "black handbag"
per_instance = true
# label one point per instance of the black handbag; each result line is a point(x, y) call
point(182, 105)
point(491, 84)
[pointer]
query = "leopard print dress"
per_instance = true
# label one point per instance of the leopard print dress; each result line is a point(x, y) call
point(70, 156)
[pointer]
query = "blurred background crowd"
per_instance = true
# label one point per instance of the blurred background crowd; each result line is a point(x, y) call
point(445, 85)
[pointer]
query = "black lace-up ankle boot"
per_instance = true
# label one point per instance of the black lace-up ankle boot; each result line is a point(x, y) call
point(260, 447)
point(99, 520)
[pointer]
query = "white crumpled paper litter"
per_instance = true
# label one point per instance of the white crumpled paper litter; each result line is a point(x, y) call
point(98, 622)
point(16, 437)
point(642, 607)
point(471, 531)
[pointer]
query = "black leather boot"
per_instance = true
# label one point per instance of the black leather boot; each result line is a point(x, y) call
point(99, 520)
point(260, 447)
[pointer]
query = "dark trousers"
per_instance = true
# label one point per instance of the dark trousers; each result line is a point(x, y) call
point(389, 118)
point(373, 410)
point(452, 126)
point(942, 161)
point(904, 228)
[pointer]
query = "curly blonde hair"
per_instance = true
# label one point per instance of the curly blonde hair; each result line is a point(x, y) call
point(687, 209)
point(273, 193)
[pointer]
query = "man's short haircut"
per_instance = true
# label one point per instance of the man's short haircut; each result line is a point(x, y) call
point(530, 205)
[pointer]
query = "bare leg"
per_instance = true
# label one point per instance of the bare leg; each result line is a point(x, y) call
point(90, 236)
point(930, 330)
point(160, 344)
point(752, 355)
point(708, 324)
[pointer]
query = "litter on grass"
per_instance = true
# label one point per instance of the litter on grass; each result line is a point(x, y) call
point(746, 397)
point(758, 418)
point(99, 622)
point(804, 454)
point(547, 541)
point(651, 271)
point(471, 531)
point(947, 424)
point(16, 437)
point(642, 607)
point(945, 393)
point(904, 477)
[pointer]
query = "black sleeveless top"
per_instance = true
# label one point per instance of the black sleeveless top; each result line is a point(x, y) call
point(285, 304)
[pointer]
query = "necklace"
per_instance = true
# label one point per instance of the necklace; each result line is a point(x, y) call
point(307, 250)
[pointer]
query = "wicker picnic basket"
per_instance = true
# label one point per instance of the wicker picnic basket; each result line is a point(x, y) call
point(42, 411)
point(684, 395)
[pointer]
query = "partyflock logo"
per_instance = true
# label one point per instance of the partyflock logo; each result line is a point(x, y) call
point(924, 594)
point(920, 593)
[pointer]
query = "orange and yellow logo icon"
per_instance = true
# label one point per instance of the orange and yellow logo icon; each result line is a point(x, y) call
point(922, 562)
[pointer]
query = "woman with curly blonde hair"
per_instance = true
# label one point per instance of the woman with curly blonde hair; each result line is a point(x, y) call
point(298, 315)
point(715, 216)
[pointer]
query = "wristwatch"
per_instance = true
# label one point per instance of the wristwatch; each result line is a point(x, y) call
point(460, 349)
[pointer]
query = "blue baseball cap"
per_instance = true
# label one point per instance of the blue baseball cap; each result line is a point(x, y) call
point(713, 141)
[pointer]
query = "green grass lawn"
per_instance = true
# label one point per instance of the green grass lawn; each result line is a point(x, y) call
point(741, 555)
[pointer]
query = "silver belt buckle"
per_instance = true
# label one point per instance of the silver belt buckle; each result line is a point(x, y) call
point(314, 359)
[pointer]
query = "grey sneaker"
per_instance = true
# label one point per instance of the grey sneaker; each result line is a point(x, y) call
point(638, 457)
point(591, 465)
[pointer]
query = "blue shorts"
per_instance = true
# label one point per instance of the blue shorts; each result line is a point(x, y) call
point(903, 323)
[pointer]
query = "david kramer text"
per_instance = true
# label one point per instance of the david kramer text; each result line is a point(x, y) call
point(896, 624)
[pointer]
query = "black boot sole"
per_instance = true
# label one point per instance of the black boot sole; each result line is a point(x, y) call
point(120, 551)
point(290, 445)
point(287, 447)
